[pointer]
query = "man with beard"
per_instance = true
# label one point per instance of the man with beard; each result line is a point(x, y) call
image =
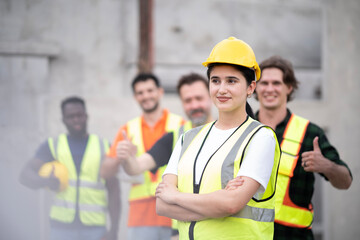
point(144, 131)
point(79, 211)
point(194, 94)
point(195, 99)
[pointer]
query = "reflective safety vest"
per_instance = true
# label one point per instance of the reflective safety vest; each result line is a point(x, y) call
point(88, 187)
point(148, 187)
point(286, 212)
point(256, 219)
point(182, 129)
point(176, 134)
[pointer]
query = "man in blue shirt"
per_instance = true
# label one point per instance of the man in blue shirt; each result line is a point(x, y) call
point(80, 211)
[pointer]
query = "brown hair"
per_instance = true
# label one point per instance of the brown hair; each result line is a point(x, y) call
point(190, 79)
point(288, 72)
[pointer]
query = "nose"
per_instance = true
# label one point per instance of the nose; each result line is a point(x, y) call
point(193, 104)
point(76, 119)
point(222, 88)
point(270, 87)
point(145, 94)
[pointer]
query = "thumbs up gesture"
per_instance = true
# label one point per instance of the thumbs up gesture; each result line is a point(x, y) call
point(314, 161)
point(125, 149)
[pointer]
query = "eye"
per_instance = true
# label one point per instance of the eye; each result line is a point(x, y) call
point(232, 81)
point(188, 100)
point(262, 83)
point(215, 80)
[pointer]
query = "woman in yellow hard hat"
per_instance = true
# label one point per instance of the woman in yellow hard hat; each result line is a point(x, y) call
point(220, 180)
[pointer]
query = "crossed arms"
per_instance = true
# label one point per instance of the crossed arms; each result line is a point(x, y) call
point(192, 207)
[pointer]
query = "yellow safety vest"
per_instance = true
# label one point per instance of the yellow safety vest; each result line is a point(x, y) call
point(286, 212)
point(147, 189)
point(182, 129)
point(176, 134)
point(92, 199)
point(256, 219)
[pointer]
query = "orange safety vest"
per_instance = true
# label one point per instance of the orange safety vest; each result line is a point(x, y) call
point(288, 213)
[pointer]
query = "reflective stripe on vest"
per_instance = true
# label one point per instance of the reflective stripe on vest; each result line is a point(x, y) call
point(176, 134)
point(257, 217)
point(91, 192)
point(182, 129)
point(147, 189)
point(287, 213)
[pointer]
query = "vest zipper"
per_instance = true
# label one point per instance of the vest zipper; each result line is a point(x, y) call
point(191, 230)
point(196, 187)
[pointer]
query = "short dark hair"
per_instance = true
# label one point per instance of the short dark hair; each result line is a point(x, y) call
point(288, 72)
point(190, 79)
point(73, 99)
point(248, 73)
point(142, 77)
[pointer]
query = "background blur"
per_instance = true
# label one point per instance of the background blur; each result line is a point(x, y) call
point(51, 49)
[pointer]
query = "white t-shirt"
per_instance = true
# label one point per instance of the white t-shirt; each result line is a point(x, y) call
point(257, 163)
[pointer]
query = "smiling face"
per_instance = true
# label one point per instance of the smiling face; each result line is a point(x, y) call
point(148, 95)
point(75, 119)
point(229, 89)
point(196, 102)
point(271, 90)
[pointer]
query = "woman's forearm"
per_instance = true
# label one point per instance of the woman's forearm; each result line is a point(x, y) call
point(220, 203)
point(176, 212)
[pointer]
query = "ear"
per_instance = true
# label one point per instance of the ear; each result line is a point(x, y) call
point(289, 90)
point(251, 87)
point(161, 91)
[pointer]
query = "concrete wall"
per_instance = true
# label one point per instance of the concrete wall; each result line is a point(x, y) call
point(52, 49)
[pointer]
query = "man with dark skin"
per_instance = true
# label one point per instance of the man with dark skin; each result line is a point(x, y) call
point(79, 211)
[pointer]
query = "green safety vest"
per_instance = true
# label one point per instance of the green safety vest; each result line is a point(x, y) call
point(148, 187)
point(287, 213)
point(256, 219)
point(91, 192)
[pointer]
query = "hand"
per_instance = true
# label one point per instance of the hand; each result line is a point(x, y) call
point(52, 181)
point(110, 235)
point(167, 192)
point(125, 150)
point(314, 161)
point(234, 183)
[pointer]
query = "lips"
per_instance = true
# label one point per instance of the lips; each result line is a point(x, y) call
point(147, 102)
point(269, 97)
point(197, 114)
point(78, 126)
point(223, 99)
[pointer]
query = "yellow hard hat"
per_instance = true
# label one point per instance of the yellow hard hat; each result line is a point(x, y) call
point(60, 171)
point(234, 51)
